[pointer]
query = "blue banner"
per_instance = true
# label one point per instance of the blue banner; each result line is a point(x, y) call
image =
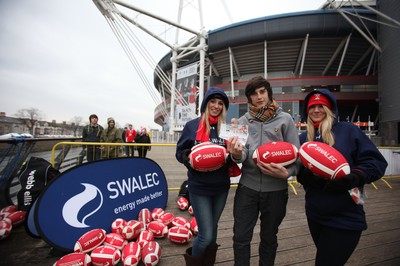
point(94, 194)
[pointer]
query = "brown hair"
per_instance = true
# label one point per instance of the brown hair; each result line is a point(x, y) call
point(255, 83)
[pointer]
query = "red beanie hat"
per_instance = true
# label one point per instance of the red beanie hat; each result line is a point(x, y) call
point(318, 98)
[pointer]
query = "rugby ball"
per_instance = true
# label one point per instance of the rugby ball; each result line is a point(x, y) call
point(156, 213)
point(323, 160)
point(207, 157)
point(151, 253)
point(117, 225)
point(280, 152)
point(132, 229)
point(183, 203)
point(5, 228)
point(17, 217)
point(105, 255)
point(167, 218)
point(74, 259)
point(190, 210)
point(115, 240)
point(180, 234)
point(144, 217)
point(159, 229)
point(180, 221)
point(144, 237)
point(90, 240)
point(8, 209)
point(131, 254)
point(193, 226)
point(4, 215)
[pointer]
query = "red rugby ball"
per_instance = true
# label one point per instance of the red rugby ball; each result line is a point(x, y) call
point(115, 240)
point(180, 221)
point(190, 210)
point(167, 218)
point(132, 229)
point(280, 152)
point(323, 160)
point(180, 234)
point(207, 157)
point(74, 259)
point(151, 253)
point(5, 228)
point(105, 255)
point(156, 213)
point(131, 254)
point(193, 226)
point(144, 237)
point(9, 209)
point(183, 203)
point(117, 225)
point(145, 217)
point(90, 240)
point(158, 228)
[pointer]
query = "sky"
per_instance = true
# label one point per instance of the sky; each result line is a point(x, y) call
point(62, 57)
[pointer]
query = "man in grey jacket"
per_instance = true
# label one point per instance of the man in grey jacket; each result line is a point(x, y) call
point(263, 188)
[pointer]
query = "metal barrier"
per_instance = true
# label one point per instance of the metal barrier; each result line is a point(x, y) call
point(66, 154)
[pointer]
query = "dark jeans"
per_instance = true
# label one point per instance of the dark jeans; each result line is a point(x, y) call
point(142, 151)
point(248, 204)
point(92, 153)
point(207, 210)
point(334, 245)
point(129, 151)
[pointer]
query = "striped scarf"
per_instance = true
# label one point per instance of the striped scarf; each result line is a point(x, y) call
point(264, 112)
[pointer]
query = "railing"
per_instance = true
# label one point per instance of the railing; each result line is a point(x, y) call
point(66, 154)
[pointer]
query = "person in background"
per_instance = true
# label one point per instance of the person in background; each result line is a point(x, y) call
point(336, 219)
point(207, 190)
point(123, 136)
point(143, 137)
point(130, 134)
point(111, 135)
point(92, 133)
point(263, 188)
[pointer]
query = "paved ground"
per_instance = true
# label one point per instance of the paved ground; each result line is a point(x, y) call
point(379, 245)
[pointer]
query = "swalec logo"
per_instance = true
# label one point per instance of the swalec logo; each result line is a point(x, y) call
point(74, 205)
point(93, 195)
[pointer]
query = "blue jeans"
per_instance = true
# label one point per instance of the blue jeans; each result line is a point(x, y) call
point(207, 210)
point(248, 204)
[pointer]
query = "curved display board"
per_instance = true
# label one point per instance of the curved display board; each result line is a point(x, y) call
point(94, 194)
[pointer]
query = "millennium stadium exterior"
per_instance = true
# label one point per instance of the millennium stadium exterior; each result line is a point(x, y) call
point(333, 48)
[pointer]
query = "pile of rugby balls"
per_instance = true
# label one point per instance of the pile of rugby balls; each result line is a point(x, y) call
point(131, 242)
point(10, 217)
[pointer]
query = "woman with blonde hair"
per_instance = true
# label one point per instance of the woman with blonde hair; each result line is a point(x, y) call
point(335, 213)
point(207, 190)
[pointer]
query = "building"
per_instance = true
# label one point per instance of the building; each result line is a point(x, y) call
point(40, 129)
point(351, 49)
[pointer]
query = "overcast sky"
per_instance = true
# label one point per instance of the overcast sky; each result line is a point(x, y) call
point(62, 57)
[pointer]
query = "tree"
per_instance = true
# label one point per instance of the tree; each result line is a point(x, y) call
point(29, 117)
point(76, 124)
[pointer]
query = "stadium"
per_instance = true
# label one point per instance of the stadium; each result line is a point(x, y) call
point(349, 47)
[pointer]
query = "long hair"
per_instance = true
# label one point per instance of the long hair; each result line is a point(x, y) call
point(221, 118)
point(325, 127)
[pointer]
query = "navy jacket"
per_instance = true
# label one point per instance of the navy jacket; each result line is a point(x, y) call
point(338, 209)
point(204, 183)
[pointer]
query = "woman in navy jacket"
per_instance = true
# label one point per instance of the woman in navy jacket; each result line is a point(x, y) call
point(207, 190)
point(335, 219)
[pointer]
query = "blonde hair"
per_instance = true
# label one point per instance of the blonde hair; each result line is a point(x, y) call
point(221, 118)
point(325, 127)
